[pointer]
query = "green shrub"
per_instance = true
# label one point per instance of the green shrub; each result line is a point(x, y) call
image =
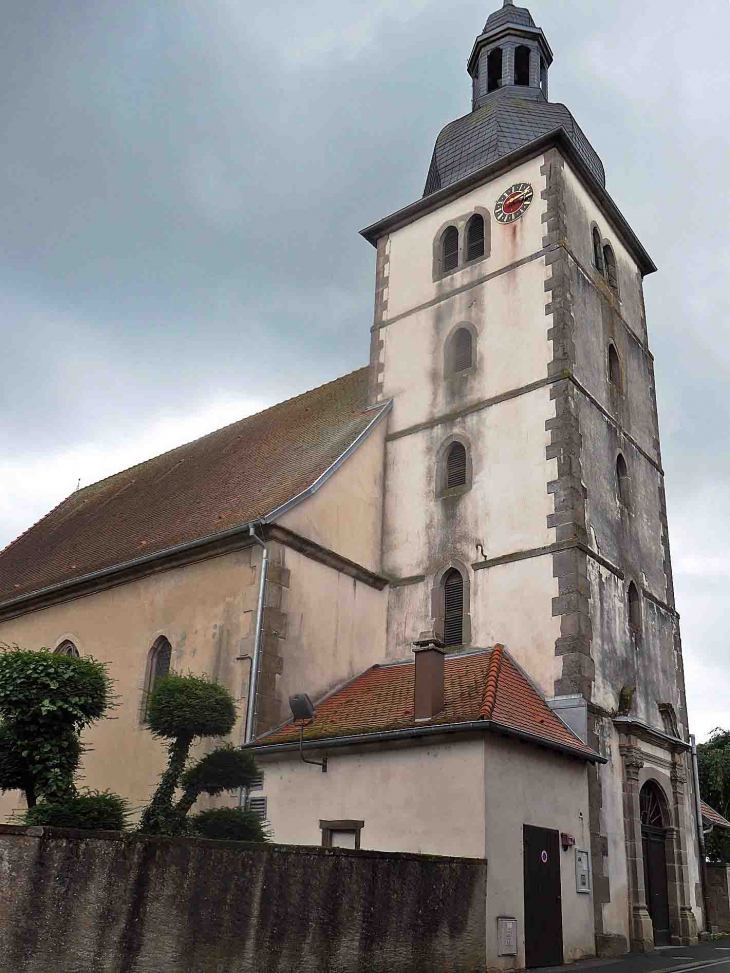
point(229, 824)
point(189, 707)
point(92, 811)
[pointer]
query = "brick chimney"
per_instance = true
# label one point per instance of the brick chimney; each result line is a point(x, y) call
point(428, 694)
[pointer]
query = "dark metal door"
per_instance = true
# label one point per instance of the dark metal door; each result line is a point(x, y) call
point(543, 910)
point(655, 881)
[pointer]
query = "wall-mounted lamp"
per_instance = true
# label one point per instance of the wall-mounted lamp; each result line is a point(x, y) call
point(302, 709)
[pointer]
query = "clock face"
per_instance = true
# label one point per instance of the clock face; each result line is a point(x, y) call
point(513, 202)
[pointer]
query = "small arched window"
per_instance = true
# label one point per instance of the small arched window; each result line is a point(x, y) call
point(475, 238)
point(158, 666)
point(609, 263)
point(634, 607)
point(68, 648)
point(450, 249)
point(614, 367)
point(453, 608)
point(623, 483)
point(494, 69)
point(522, 65)
point(456, 466)
point(461, 351)
point(597, 256)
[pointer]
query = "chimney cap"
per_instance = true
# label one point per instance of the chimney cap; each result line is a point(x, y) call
point(428, 641)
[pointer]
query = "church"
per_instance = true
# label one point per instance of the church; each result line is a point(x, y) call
point(440, 586)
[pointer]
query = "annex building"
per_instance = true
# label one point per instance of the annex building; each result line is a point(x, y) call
point(459, 552)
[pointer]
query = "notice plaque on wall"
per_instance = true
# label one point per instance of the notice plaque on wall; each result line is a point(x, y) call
point(582, 871)
point(507, 935)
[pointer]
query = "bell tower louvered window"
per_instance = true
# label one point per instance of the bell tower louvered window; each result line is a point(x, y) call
point(453, 608)
point(475, 238)
point(456, 466)
point(462, 350)
point(451, 249)
point(597, 257)
point(609, 263)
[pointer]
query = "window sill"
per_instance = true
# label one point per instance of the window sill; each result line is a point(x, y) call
point(454, 492)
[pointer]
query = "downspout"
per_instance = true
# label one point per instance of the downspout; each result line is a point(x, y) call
point(700, 830)
point(253, 681)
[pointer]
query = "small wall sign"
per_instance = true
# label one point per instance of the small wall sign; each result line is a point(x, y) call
point(544, 857)
point(582, 871)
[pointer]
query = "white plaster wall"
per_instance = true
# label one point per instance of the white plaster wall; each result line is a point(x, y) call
point(615, 912)
point(345, 515)
point(426, 798)
point(513, 350)
point(525, 785)
point(507, 507)
point(411, 248)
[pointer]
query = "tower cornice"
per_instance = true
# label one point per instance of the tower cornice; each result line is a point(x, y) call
point(557, 139)
point(510, 30)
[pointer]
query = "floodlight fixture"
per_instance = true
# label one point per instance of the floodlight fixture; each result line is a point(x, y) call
point(302, 708)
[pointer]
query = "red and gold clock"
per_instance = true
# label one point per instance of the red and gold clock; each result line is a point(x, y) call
point(513, 202)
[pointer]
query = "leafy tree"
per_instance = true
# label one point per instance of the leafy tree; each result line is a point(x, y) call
point(94, 811)
point(229, 824)
point(182, 709)
point(46, 700)
point(713, 759)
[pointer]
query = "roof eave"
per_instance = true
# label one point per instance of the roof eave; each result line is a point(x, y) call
point(25, 602)
point(557, 138)
point(414, 732)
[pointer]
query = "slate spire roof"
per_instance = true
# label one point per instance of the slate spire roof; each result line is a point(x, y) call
point(506, 115)
point(228, 478)
point(479, 687)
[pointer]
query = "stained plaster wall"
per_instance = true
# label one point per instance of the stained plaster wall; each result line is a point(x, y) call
point(345, 514)
point(320, 628)
point(406, 793)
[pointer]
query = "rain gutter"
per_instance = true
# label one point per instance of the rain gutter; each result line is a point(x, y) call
point(412, 733)
point(239, 530)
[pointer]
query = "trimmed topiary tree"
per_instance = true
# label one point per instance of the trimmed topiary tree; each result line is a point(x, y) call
point(182, 709)
point(91, 811)
point(46, 700)
point(229, 824)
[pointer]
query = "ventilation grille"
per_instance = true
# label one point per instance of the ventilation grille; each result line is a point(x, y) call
point(456, 467)
point(451, 249)
point(475, 238)
point(454, 609)
point(257, 806)
point(257, 784)
point(462, 350)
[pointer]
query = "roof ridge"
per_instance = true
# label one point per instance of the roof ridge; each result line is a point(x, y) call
point(39, 521)
point(490, 690)
point(213, 432)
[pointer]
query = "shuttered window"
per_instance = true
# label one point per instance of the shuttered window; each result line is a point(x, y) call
point(614, 367)
point(622, 481)
point(257, 806)
point(257, 784)
point(451, 249)
point(609, 262)
point(597, 250)
point(456, 466)
point(475, 238)
point(462, 350)
point(453, 608)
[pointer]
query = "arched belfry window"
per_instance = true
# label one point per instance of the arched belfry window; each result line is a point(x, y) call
point(634, 607)
point(597, 254)
point(453, 608)
point(450, 249)
point(68, 648)
point(623, 483)
point(158, 666)
point(614, 367)
point(494, 69)
point(609, 263)
point(475, 238)
point(522, 65)
point(456, 466)
point(462, 351)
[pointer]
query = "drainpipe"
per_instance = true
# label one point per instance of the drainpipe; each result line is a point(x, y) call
point(700, 831)
point(253, 681)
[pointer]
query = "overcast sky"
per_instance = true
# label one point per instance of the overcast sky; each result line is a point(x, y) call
point(181, 189)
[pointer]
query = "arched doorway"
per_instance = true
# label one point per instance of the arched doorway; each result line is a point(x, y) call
point(654, 825)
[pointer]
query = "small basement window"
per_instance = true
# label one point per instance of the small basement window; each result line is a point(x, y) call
point(341, 834)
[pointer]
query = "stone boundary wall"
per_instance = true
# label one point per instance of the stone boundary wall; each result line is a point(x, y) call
point(102, 902)
point(718, 896)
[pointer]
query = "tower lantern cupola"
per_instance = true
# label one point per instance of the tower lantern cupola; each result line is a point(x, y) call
point(511, 53)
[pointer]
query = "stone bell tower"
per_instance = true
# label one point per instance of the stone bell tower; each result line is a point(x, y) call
point(524, 499)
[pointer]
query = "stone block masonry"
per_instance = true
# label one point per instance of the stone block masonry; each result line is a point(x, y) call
point(92, 902)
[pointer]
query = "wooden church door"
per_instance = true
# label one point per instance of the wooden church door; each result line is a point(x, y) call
point(653, 843)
